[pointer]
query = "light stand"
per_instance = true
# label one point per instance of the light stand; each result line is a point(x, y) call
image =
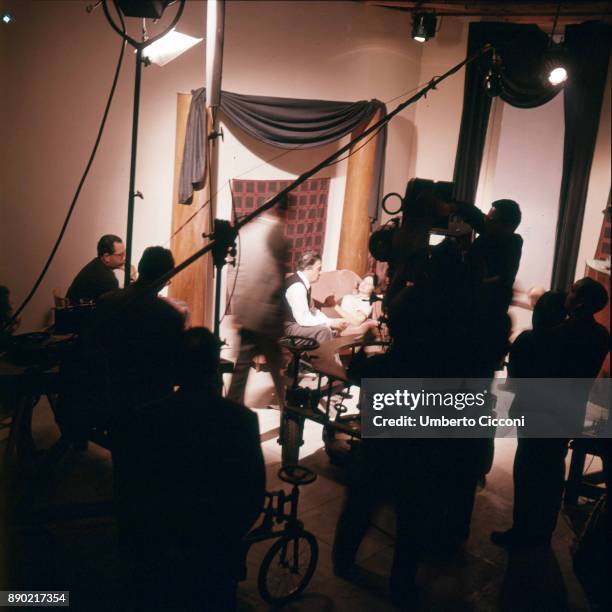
point(224, 236)
point(139, 46)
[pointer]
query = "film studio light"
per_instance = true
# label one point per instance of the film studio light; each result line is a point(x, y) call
point(149, 9)
point(169, 47)
point(555, 65)
point(423, 26)
point(555, 58)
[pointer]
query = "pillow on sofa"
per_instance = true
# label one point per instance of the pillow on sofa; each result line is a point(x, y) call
point(337, 283)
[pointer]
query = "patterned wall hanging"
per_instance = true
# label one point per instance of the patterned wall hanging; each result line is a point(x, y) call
point(306, 213)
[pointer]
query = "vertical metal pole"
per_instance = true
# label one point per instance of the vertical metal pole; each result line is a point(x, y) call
point(130, 219)
point(215, 24)
point(217, 316)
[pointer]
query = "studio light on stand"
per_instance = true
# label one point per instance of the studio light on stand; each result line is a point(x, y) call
point(423, 26)
point(159, 49)
point(169, 47)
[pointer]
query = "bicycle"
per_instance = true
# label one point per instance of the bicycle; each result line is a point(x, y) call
point(290, 563)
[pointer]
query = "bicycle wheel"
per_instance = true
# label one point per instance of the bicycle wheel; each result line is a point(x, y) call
point(288, 567)
point(291, 436)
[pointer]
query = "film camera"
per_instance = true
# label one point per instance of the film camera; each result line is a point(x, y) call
point(425, 202)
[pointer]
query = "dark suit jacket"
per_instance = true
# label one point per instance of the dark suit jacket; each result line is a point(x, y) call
point(192, 472)
point(91, 282)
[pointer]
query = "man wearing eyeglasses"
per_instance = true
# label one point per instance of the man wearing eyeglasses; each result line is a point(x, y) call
point(97, 277)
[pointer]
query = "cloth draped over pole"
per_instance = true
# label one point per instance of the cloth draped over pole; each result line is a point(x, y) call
point(521, 48)
point(282, 122)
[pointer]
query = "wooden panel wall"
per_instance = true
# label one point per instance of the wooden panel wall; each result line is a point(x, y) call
point(194, 285)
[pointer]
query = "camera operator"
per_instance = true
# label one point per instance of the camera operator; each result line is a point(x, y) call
point(491, 264)
point(494, 257)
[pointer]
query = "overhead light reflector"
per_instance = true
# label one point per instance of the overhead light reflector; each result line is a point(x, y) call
point(169, 47)
point(555, 65)
point(423, 26)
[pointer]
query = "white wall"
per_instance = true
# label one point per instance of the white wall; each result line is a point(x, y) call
point(57, 75)
point(347, 52)
point(58, 72)
point(438, 116)
point(524, 161)
point(529, 163)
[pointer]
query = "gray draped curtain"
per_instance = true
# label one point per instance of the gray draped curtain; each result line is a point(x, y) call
point(282, 122)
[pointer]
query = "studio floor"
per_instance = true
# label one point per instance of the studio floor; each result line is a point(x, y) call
point(80, 554)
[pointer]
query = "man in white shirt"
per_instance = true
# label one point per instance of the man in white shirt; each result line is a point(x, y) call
point(303, 319)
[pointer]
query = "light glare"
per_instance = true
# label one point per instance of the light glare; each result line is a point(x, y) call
point(557, 75)
point(169, 47)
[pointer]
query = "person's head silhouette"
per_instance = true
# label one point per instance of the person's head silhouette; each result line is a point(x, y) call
point(585, 298)
point(198, 361)
point(549, 311)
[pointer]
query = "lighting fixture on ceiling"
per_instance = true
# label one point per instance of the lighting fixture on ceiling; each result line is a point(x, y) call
point(423, 26)
point(493, 80)
point(149, 9)
point(555, 65)
point(7, 18)
point(169, 47)
point(555, 58)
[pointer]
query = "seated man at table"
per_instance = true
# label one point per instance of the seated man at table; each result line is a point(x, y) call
point(97, 277)
point(303, 319)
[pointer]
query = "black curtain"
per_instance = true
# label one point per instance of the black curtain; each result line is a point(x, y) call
point(588, 46)
point(281, 122)
point(521, 49)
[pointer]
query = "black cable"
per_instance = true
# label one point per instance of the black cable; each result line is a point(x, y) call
point(78, 190)
point(554, 27)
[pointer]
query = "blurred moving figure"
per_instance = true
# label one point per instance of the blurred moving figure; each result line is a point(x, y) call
point(258, 303)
